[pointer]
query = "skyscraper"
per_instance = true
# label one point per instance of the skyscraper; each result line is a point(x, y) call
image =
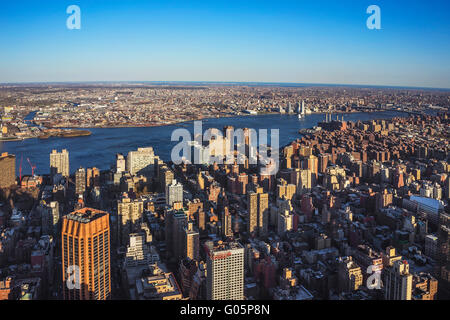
point(263, 214)
point(86, 248)
point(225, 271)
point(8, 170)
point(258, 212)
point(252, 208)
point(92, 177)
point(227, 230)
point(80, 181)
point(59, 162)
point(175, 221)
point(398, 281)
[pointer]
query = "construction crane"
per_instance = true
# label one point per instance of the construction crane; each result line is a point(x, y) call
point(32, 167)
point(20, 170)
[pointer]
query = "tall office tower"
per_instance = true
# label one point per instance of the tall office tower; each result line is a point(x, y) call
point(59, 163)
point(80, 181)
point(398, 281)
point(191, 242)
point(227, 229)
point(303, 109)
point(289, 107)
point(175, 221)
point(174, 192)
point(443, 254)
point(349, 274)
point(258, 212)
point(129, 214)
point(225, 271)
point(92, 177)
point(86, 246)
point(141, 162)
point(7, 169)
point(120, 163)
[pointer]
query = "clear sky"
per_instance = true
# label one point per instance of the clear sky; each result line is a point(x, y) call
point(320, 41)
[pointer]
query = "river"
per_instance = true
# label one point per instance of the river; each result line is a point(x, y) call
point(100, 148)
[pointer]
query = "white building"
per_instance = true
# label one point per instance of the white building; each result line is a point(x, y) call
point(59, 162)
point(141, 162)
point(225, 272)
point(174, 192)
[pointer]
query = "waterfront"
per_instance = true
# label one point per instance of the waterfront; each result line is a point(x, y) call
point(99, 149)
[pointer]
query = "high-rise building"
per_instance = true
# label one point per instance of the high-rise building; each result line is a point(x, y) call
point(285, 221)
point(227, 229)
point(263, 214)
point(129, 214)
point(304, 179)
point(350, 275)
point(80, 181)
point(285, 189)
point(165, 178)
point(191, 242)
point(258, 212)
point(59, 163)
point(174, 193)
point(86, 249)
point(398, 281)
point(225, 271)
point(49, 216)
point(8, 170)
point(141, 162)
point(92, 177)
point(175, 221)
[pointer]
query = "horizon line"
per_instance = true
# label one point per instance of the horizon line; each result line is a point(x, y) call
point(262, 83)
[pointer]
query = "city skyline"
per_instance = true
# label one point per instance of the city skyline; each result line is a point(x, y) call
point(289, 42)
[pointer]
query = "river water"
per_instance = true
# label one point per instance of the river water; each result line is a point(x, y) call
point(100, 148)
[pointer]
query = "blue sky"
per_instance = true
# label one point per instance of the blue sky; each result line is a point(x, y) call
point(265, 41)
